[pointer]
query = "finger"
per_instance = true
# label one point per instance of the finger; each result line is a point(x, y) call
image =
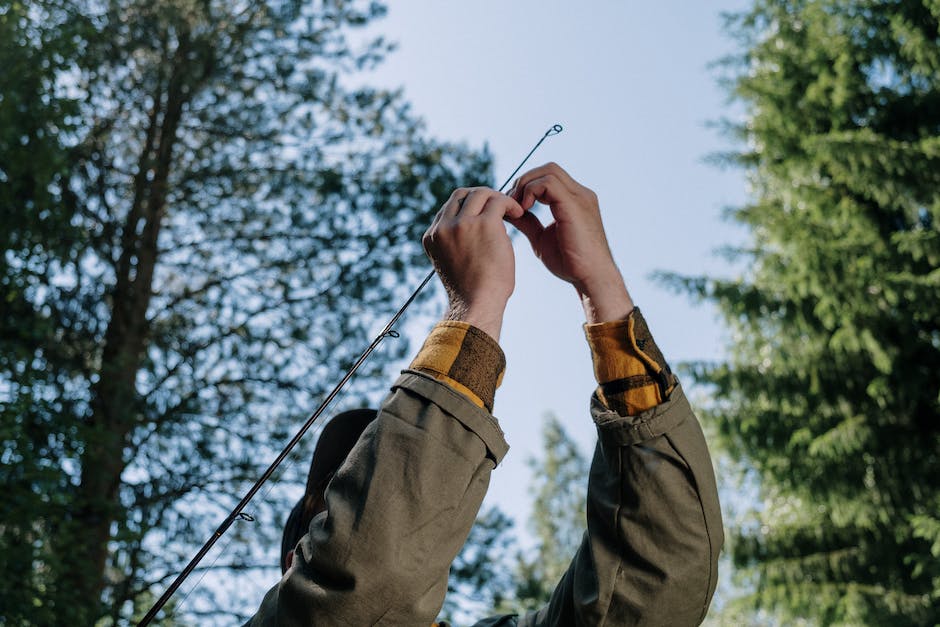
point(514, 210)
point(455, 203)
point(548, 190)
point(477, 200)
point(548, 169)
point(512, 190)
point(530, 226)
point(450, 207)
point(501, 206)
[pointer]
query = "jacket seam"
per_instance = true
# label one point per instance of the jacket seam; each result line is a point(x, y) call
point(621, 451)
point(711, 549)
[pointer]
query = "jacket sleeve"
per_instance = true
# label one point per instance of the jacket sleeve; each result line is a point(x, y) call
point(398, 511)
point(654, 529)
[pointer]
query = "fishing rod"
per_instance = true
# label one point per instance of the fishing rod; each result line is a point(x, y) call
point(238, 512)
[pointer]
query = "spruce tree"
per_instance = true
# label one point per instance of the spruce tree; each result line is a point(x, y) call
point(830, 392)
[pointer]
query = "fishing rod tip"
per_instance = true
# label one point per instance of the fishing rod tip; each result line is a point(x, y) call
point(554, 130)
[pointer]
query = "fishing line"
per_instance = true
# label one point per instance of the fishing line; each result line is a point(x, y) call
point(237, 512)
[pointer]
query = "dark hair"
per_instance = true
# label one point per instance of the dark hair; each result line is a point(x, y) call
point(337, 439)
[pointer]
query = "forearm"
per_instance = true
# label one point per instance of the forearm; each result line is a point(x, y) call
point(654, 528)
point(398, 512)
point(605, 297)
point(654, 525)
point(668, 523)
point(402, 503)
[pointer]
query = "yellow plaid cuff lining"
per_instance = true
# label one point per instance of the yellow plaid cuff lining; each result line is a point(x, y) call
point(632, 372)
point(465, 358)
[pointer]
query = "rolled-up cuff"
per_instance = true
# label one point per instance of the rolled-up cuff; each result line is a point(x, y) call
point(631, 370)
point(465, 358)
point(472, 416)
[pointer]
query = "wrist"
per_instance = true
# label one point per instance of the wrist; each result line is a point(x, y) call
point(487, 318)
point(605, 300)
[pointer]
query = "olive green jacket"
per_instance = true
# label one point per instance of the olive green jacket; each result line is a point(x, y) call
point(401, 507)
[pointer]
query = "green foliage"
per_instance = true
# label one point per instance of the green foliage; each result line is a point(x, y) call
point(831, 391)
point(34, 128)
point(493, 575)
point(479, 580)
point(559, 519)
point(204, 218)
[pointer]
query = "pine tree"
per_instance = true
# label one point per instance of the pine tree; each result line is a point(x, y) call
point(492, 574)
point(480, 579)
point(558, 520)
point(205, 215)
point(36, 123)
point(830, 393)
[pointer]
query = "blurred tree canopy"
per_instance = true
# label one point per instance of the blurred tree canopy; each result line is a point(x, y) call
point(480, 580)
point(205, 214)
point(830, 394)
point(559, 517)
point(495, 575)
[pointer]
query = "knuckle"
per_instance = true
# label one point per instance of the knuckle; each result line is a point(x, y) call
point(582, 192)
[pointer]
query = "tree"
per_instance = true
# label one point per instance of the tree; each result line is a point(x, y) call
point(205, 216)
point(830, 393)
point(35, 123)
point(480, 580)
point(492, 574)
point(558, 520)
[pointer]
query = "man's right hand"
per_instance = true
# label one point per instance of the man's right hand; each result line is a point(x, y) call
point(574, 247)
point(472, 254)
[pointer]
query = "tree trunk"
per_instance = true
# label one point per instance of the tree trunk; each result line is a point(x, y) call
point(115, 411)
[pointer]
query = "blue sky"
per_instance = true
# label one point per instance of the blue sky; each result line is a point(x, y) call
point(632, 86)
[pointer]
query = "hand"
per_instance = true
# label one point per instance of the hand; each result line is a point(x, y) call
point(472, 254)
point(574, 247)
